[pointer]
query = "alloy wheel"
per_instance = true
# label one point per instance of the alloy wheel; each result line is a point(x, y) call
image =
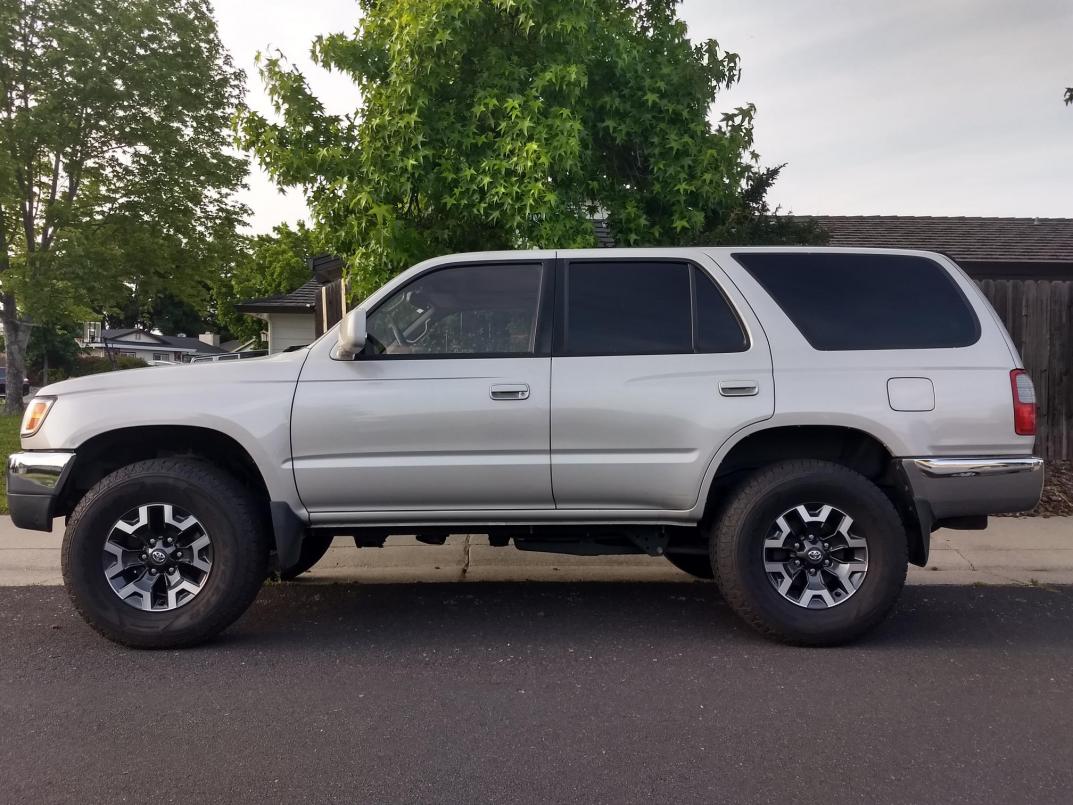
point(814, 557)
point(157, 557)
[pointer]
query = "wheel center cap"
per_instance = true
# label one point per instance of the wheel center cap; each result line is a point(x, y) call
point(814, 555)
point(158, 556)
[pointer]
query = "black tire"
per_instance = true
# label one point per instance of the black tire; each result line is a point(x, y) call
point(698, 565)
point(314, 546)
point(751, 510)
point(240, 551)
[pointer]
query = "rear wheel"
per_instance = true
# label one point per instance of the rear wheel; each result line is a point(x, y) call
point(698, 565)
point(164, 553)
point(810, 552)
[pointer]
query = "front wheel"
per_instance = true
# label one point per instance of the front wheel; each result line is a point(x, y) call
point(810, 552)
point(164, 553)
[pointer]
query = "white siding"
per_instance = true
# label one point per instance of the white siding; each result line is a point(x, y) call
point(289, 330)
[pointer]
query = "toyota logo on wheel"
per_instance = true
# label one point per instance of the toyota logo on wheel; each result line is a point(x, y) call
point(814, 554)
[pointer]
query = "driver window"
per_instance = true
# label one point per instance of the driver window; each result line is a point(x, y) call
point(488, 310)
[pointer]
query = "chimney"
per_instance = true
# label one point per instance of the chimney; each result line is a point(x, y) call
point(212, 339)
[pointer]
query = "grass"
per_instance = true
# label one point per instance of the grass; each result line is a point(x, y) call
point(9, 443)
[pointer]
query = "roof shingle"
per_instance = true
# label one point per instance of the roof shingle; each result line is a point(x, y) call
point(1015, 240)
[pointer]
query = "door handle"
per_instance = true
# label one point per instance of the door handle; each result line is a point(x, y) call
point(509, 391)
point(739, 388)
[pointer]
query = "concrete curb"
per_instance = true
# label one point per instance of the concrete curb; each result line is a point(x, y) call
point(1026, 551)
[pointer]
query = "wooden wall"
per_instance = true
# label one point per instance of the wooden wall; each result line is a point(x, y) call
point(1039, 316)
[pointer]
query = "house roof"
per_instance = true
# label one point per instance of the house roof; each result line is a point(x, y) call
point(300, 300)
point(971, 240)
point(117, 338)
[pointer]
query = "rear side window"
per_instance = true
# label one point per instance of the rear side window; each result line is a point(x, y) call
point(627, 308)
point(718, 328)
point(866, 301)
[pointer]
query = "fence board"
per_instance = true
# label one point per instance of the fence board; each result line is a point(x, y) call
point(1039, 317)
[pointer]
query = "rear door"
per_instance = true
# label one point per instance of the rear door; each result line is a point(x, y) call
point(657, 362)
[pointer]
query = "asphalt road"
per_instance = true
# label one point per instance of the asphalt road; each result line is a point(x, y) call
point(520, 693)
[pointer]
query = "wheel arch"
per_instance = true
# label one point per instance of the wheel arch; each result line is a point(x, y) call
point(852, 447)
point(105, 452)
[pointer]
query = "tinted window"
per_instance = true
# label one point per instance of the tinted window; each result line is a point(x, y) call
point(468, 310)
point(718, 328)
point(624, 308)
point(866, 301)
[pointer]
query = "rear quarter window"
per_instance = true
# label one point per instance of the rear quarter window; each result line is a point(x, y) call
point(866, 301)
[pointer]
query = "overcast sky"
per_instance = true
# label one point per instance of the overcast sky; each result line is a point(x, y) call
point(916, 107)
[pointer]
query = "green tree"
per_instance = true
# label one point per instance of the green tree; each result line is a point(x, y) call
point(115, 171)
point(268, 265)
point(509, 123)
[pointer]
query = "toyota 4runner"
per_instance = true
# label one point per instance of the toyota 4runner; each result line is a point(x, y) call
point(793, 423)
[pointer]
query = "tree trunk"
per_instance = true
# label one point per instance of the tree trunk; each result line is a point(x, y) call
point(16, 337)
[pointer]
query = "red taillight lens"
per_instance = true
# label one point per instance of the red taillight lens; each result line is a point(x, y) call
point(1024, 403)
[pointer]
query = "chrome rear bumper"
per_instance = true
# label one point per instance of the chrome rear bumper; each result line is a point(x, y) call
point(975, 485)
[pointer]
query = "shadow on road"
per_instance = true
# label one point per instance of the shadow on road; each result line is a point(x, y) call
point(299, 614)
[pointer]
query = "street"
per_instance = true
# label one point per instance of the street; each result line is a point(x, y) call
point(529, 692)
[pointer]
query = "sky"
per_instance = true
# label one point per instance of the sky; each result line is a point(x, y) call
point(915, 107)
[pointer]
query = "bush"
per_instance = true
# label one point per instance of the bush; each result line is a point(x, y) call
point(95, 365)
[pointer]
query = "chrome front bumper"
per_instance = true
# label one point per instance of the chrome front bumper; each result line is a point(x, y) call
point(970, 486)
point(34, 482)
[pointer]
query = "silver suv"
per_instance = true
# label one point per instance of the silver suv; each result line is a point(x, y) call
point(793, 423)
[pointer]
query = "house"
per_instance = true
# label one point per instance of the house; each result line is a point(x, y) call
point(297, 318)
point(152, 348)
point(985, 248)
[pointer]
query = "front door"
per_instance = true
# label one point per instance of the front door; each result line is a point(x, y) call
point(448, 407)
point(656, 364)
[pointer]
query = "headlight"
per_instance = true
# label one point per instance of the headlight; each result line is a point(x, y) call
point(35, 415)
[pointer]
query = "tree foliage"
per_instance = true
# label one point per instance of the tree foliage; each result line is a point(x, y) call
point(115, 173)
point(269, 264)
point(510, 123)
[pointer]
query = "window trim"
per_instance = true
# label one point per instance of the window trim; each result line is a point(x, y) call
point(947, 276)
point(543, 319)
point(559, 348)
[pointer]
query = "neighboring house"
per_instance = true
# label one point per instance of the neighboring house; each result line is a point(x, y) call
point(297, 318)
point(152, 348)
point(986, 248)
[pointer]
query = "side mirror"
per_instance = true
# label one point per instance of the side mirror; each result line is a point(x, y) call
point(352, 335)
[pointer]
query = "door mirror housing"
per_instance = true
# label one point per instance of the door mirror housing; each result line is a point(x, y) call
point(352, 335)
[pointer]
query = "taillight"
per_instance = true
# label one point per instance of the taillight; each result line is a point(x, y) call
point(1024, 403)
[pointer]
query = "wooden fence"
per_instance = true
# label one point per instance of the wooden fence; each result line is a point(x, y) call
point(330, 306)
point(1039, 316)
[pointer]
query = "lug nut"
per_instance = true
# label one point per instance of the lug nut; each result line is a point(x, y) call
point(826, 546)
point(171, 569)
point(797, 546)
point(178, 554)
point(145, 556)
point(168, 541)
point(152, 571)
point(812, 571)
point(826, 562)
point(152, 542)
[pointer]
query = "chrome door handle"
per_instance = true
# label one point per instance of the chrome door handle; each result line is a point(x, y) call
point(509, 391)
point(739, 388)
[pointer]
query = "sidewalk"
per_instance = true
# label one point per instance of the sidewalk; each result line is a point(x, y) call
point(1011, 551)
